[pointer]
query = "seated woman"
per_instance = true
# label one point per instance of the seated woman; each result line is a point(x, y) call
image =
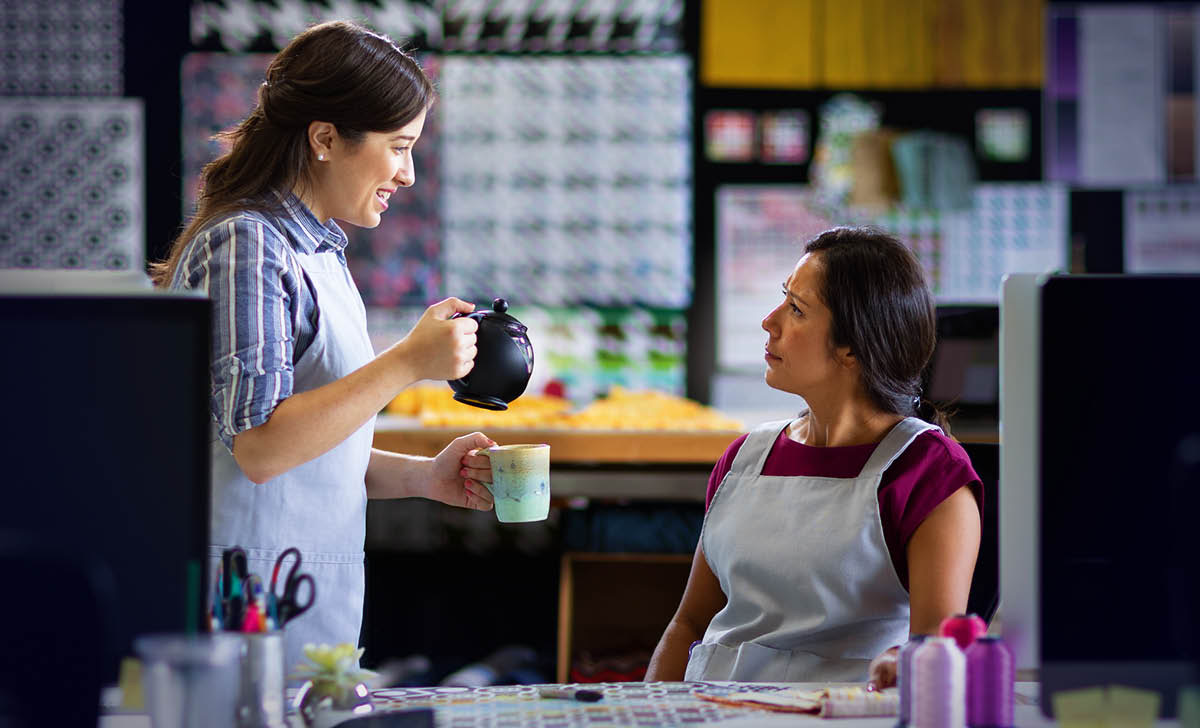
point(832, 537)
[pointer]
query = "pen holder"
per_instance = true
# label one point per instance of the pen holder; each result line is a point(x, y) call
point(262, 702)
point(190, 681)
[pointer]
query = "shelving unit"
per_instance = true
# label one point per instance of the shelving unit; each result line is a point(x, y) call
point(612, 602)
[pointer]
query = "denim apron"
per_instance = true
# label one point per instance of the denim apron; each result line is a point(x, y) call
point(812, 592)
point(320, 506)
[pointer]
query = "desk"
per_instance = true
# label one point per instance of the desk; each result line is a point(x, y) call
point(624, 704)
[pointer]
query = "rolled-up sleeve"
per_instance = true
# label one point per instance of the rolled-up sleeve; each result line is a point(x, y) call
point(245, 266)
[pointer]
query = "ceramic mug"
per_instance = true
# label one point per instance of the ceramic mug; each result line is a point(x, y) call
point(520, 481)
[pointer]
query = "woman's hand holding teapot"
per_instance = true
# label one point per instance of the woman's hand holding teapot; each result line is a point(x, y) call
point(440, 346)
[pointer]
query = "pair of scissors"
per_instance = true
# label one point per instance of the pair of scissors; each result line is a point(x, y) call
point(289, 604)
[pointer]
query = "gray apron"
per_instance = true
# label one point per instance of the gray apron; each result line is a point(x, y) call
point(812, 592)
point(320, 506)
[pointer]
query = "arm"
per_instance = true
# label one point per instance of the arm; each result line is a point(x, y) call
point(941, 559)
point(702, 599)
point(308, 424)
point(455, 476)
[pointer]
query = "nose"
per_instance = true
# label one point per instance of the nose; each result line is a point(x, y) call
point(406, 175)
point(768, 323)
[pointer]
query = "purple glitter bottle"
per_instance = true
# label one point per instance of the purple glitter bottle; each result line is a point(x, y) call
point(990, 676)
point(904, 678)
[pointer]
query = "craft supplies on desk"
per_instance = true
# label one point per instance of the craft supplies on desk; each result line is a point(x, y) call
point(240, 603)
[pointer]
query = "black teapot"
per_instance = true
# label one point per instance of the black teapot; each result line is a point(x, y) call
point(503, 363)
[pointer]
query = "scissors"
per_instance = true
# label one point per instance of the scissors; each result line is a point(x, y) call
point(288, 605)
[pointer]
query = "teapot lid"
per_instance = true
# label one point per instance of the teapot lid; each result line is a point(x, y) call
point(499, 314)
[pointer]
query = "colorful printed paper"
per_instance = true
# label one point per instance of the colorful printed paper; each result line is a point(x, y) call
point(62, 48)
point(455, 25)
point(784, 136)
point(568, 180)
point(729, 135)
point(1002, 135)
point(1162, 230)
point(72, 184)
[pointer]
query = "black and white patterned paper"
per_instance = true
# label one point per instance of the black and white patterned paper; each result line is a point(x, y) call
point(620, 26)
point(61, 48)
point(71, 184)
point(567, 180)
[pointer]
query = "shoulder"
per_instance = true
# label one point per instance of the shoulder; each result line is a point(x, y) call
point(933, 448)
point(243, 225)
point(932, 468)
point(726, 460)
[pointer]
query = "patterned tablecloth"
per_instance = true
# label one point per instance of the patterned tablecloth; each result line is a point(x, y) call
point(624, 704)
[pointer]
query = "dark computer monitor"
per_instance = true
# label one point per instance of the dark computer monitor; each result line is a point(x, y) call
point(1104, 520)
point(106, 442)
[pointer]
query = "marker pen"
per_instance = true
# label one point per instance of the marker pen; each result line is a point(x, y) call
point(586, 696)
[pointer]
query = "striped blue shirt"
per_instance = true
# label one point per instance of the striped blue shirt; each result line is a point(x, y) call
point(264, 307)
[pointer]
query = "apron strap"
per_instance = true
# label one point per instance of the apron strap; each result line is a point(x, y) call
point(895, 442)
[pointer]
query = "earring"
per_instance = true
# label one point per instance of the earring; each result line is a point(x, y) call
point(320, 157)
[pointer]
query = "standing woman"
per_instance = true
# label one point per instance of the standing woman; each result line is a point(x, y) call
point(831, 537)
point(296, 384)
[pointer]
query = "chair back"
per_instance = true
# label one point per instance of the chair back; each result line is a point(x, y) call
point(985, 582)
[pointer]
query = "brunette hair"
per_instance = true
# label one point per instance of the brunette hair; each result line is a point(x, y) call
point(337, 72)
point(884, 312)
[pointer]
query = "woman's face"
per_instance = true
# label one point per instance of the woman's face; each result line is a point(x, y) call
point(798, 353)
point(356, 181)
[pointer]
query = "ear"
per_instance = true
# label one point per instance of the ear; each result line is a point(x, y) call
point(845, 357)
point(321, 136)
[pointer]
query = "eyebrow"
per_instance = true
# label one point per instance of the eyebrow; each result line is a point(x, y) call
point(403, 136)
point(796, 296)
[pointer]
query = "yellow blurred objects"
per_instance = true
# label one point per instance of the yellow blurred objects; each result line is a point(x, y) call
point(623, 409)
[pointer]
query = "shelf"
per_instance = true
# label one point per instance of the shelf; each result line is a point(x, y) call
point(612, 602)
point(568, 446)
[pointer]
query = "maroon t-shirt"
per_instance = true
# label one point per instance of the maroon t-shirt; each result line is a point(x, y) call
point(930, 469)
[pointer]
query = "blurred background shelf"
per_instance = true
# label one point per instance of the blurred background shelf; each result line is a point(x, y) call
point(568, 446)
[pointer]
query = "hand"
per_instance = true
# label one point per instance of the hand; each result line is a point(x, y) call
point(439, 346)
point(458, 473)
point(882, 672)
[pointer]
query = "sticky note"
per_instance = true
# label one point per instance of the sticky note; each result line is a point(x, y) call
point(129, 679)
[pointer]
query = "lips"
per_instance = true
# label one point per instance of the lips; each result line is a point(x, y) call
point(382, 195)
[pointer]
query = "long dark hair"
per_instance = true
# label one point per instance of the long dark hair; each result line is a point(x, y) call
point(337, 72)
point(884, 312)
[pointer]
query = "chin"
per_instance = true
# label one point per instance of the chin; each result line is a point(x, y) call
point(773, 381)
point(368, 222)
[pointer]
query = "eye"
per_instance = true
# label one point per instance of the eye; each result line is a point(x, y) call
point(787, 297)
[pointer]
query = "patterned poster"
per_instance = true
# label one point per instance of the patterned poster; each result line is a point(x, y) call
point(568, 180)
point(71, 184)
point(1162, 230)
point(761, 231)
point(615, 26)
point(62, 48)
point(396, 263)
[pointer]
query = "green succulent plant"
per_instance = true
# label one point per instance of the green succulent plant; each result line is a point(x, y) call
point(333, 669)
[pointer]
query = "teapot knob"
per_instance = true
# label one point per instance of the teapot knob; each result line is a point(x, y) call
point(499, 305)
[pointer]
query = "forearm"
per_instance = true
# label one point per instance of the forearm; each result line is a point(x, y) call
point(669, 662)
point(395, 475)
point(309, 424)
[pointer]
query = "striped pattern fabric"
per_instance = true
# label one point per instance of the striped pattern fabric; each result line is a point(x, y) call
point(264, 309)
